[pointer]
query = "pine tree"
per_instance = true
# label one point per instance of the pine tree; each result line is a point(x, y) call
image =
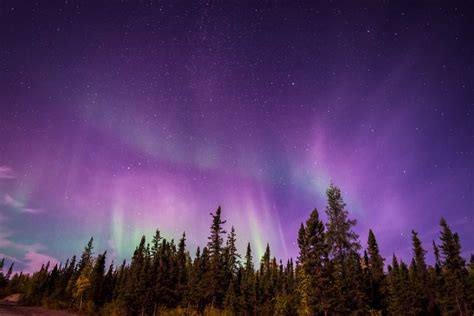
point(398, 288)
point(97, 280)
point(216, 277)
point(109, 284)
point(132, 290)
point(329, 278)
point(303, 291)
point(155, 243)
point(63, 291)
point(266, 282)
point(206, 293)
point(313, 260)
point(195, 276)
point(87, 256)
point(247, 296)
point(376, 276)
point(343, 245)
point(182, 270)
point(453, 297)
point(231, 255)
point(420, 281)
point(405, 294)
point(81, 282)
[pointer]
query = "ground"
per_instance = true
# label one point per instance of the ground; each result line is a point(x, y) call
point(9, 307)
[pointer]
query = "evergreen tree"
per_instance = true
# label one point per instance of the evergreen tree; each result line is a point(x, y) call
point(81, 282)
point(87, 256)
point(313, 259)
point(247, 287)
point(216, 277)
point(97, 280)
point(376, 276)
point(453, 297)
point(133, 292)
point(330, 277)
point(420, 281)
point(205, 278)
point(182, 270)
point(265, 285)
point(343, 245)
point(231, 255)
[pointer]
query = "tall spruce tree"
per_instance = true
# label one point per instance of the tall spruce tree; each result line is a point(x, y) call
point(376, 276)
point(330, 277)
point(97, 280)
point(313, 260)
point(247, 287)
point(216, 278)
point(87, 256)
point(231, 255)
point(453, 297)
point(420, 281)
point(182, 269)
point(132, 289)
point(343, 246)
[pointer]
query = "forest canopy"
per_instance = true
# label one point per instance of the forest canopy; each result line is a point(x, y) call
point(334, 274)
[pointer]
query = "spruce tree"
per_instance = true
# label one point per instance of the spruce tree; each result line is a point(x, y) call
point(216, 277)
point(132, 290)
point(420, 284)
point(87, 256)
point(313, 260)
point(453, 297)
point(231, 255)
point(247, 291)
point(266, 282)
point(97, 280)
point(376, 276)
point(343, 246)
point(182, 269)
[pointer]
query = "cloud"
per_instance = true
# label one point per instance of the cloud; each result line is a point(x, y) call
point(6, 173)
point(5, 241)
point(30, 257)
point(10, 201)
point(34, 260)
point(30, 210)
point(2, 255)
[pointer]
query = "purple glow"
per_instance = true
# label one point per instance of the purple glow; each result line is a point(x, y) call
point(118, 120)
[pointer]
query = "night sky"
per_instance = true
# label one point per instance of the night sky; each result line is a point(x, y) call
point(120, 117)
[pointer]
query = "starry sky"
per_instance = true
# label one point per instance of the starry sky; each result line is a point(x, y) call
point(120, 117)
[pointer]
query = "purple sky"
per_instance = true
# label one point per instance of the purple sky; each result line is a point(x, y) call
point(122, 118)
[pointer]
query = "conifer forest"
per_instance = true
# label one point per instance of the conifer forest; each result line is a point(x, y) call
point(219, 158)
point(334, 274)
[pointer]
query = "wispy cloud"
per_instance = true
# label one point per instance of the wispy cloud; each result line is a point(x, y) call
point(30, 210)
point(16, 260)
point(10, 201)
point(33, 261)
point(7, 173)
point(30, 257)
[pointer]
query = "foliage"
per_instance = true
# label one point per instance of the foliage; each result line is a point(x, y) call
point(331, 276)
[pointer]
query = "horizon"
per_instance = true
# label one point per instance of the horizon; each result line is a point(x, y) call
point(122, 118)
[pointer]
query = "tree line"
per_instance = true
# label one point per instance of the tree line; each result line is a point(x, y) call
point(332, 275)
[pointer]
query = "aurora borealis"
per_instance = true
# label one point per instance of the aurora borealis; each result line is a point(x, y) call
point(120, 117)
